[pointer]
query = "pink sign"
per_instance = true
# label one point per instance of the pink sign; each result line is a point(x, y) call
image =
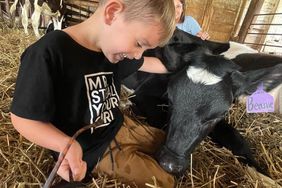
point(260, 101)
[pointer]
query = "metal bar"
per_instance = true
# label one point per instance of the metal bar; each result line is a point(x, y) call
point(266, 24)
point(265, 34)
point(268, 14)
point(263, 44)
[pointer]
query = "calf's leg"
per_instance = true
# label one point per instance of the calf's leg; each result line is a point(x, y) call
point(24, 15)
point(35, 19)
point(226, 135)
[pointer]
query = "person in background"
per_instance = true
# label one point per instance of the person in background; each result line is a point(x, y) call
point(188, 23)
point(71, 78)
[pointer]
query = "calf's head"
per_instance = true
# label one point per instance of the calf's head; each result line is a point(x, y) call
point(176, 53)
point(200, 95)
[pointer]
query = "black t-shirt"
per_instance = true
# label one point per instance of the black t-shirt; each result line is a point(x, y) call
point(62, 82)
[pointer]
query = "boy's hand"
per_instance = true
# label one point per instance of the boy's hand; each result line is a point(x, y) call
point(73, 162)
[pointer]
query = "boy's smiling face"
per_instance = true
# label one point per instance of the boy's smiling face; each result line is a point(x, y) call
point(130, 39)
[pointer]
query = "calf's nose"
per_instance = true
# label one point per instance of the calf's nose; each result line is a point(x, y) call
point(171, 162)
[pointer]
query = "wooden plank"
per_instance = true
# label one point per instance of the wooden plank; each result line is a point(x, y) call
point(72, 13)
point(197, 9)
point(91, 4)
point(79, 10)
point(74, 20)
point(7, 6)
point(240, 18)
point(1, 13)
point(217, 17)
point(254, 8)
point(77, 7)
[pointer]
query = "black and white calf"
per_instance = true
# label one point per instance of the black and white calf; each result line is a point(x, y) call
point(53, 8)
point(200, 96)
point(199, 92)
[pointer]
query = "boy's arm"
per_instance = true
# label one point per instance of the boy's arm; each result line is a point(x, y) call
point(48, 136)
point(153, 65)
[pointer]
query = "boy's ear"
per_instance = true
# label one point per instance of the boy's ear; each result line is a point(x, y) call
point(112, 9)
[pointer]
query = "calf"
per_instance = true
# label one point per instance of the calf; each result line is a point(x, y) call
point(200, 96)
point(197, 105)
point(53, 8)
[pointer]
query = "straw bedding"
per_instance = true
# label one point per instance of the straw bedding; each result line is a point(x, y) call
point(24, 164)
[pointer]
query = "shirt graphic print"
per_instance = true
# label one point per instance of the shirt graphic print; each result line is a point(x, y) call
point(102, 96)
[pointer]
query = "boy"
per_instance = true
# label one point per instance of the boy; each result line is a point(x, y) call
point(71, 78)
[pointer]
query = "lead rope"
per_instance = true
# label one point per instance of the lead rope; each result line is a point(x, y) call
point(111, 152)
point(117, 144)
point(111, 157)
point(53, 173)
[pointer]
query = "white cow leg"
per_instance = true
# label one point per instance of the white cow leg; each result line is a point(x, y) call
point(25, 18)
point(13, 7)
point(35, 18)
point(57, 23)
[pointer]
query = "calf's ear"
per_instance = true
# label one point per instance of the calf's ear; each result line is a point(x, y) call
point(247, 82)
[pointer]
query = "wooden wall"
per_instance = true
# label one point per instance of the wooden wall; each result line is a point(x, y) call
point(220, 18)
point(79, 10)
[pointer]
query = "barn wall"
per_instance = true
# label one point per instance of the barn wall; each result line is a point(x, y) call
point(220, 18)
point(79, 10)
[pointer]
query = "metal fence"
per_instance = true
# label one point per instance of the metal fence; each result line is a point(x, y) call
point(265, 33)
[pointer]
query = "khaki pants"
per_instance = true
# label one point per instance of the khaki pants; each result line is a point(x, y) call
point(133, 163)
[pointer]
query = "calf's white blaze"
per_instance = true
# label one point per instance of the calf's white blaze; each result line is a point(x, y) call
point(202, 76)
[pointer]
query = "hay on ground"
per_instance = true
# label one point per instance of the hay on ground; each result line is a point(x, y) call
point(24, 164)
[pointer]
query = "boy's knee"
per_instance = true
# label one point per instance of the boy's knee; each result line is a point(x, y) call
point(135, 167)
point(143, 169)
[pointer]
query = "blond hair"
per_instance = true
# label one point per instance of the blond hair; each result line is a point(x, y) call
point(151, 11)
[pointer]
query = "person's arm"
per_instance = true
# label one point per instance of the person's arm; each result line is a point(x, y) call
point(197, 30)
point(48, 136)
point(194, 28)
point(153, 65)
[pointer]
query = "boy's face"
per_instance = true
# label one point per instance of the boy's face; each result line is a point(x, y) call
point(122, 38)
